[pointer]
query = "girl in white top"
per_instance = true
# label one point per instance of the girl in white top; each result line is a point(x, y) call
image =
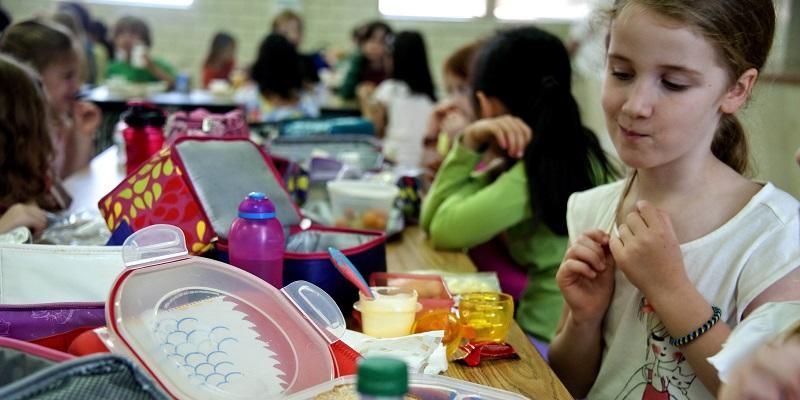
point(401, 106)
point(661, 266)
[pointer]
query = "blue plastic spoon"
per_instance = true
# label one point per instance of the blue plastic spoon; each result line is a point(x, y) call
point(343, 264)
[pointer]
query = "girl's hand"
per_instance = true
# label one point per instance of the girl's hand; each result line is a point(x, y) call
point(440, 112)
point(648, 253)
point(586, 277)
point(87, 117)
point(23, 215)
point(509, 133)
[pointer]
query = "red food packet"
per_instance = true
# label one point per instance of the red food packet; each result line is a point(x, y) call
point(473, 353)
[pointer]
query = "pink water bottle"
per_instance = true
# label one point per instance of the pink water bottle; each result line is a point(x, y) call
point(144, 135)
point(255, 241)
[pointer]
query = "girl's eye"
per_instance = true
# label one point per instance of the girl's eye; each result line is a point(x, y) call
point(675, 87)
point(622, 76)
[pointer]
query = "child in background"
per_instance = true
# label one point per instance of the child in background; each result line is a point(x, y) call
point(26, 150)
point(521, 86)
point(662, 265)
point(221, 58)
point(290, 25)
point(132, 59)
point(50, 49)
point(280, 88)
point(95, 56)
point(401, 106)
point(369, 66)
point(453, 114)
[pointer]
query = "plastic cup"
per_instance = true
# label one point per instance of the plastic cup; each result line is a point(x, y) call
point(486, 316)
point(390, 313)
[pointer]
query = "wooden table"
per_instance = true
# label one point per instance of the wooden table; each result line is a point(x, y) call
point(529, 375)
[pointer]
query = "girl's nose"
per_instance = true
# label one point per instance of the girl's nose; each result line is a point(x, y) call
point(639, 102)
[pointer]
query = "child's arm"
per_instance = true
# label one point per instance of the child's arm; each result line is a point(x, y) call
point(161, 71)
point(461, 211)
point(23, 215)
point(372, 108)
point(586, 279)
point(648, 253)
point(86, 119)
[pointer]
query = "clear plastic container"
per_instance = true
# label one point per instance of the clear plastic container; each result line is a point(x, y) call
point(204, 329)
point(362, 204)
point(428, 387)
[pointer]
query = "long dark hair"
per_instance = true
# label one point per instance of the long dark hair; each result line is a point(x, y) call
point(219, 43)
point(528, 71)
point(277, 69)
point(410, 60)
point(25, 147)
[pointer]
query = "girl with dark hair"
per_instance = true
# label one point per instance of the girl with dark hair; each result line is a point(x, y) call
point(26, 150)
point(369, 65)
point(529, 120)
point(663, 264)
point(53, 52)
point(221, 58)
point(280, 85)
point(401, 106)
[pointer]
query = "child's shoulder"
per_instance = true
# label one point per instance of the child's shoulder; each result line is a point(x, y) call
point(780, 204)
point(593, 208)
point(602, 194)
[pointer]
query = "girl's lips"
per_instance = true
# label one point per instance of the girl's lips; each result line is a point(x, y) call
point(629, 134)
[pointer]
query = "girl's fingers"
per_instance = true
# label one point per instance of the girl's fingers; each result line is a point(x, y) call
point(635, 223)
point(588, 256)
point(598, 236)
point(625, 233)
point(576, 269)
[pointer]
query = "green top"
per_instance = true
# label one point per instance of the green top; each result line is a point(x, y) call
point(347, 90)
point(464, 209)
point(133, 74)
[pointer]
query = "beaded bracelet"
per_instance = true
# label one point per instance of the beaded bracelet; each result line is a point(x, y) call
point(699, 331)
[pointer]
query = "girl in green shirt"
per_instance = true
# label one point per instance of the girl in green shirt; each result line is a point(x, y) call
point(539, 151)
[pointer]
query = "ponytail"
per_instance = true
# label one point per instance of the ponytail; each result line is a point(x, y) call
point(730, 144)
point(561, 157)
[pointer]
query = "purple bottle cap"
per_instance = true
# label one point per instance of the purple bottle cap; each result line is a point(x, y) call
point(256, 206)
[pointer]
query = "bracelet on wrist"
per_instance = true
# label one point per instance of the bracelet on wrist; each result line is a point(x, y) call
point(692, 336)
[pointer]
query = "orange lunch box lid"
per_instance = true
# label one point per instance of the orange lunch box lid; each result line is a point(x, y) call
point(205, 329)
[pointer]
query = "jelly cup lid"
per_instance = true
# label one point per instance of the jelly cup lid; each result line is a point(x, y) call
point(207, 330)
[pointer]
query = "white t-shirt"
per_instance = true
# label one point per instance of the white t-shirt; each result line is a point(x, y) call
point(730, 267)
point(407, 115)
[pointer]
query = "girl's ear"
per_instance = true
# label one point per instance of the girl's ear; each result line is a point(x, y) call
point(489, 107)
point(738, 94)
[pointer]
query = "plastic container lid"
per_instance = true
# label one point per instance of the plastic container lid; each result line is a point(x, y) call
point(207, 330)
point(429, 387)
point(382, 376)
